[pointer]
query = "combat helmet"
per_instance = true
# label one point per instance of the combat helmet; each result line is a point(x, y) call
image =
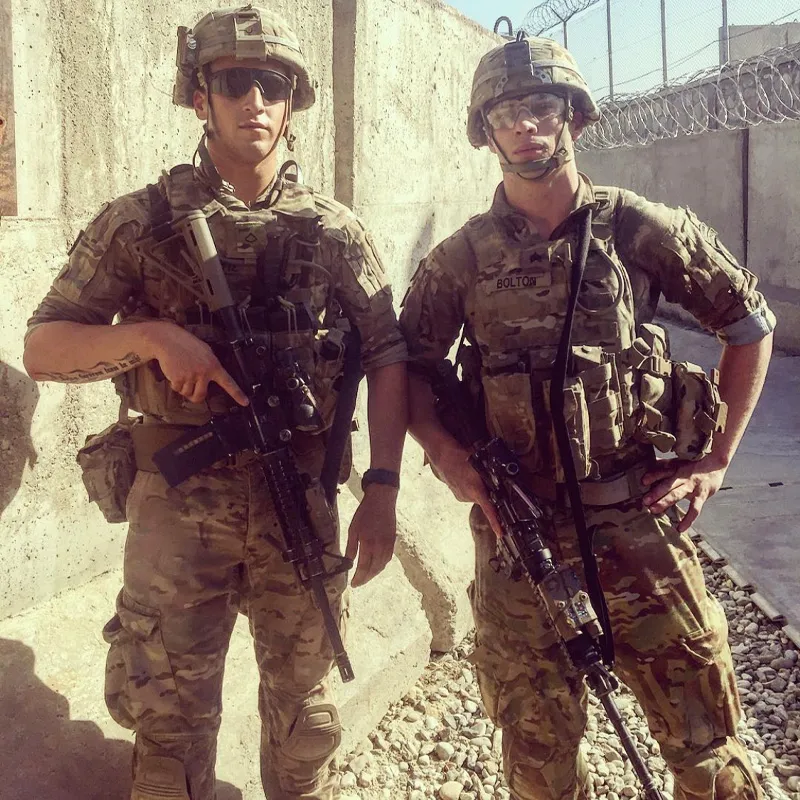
point(244, 32)
point(519, 67)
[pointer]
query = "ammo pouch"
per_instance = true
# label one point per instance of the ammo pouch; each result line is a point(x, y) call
point(612, 401)
point(108, 465)
point(677, 407)
point(593, 409)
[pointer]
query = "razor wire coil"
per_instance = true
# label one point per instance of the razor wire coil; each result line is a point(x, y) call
point(736, 95)
point(551, 13)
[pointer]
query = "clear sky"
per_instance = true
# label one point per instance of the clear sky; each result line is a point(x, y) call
point(692, 34)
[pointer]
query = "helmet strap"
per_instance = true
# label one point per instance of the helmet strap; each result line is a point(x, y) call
point(288, 135)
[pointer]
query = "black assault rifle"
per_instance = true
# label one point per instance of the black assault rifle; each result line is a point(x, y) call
point(280, 401)
point(523, 553)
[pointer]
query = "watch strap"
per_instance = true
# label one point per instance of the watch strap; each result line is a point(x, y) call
point(387, 477)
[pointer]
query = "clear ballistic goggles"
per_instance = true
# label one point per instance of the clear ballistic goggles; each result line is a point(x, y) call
point(538, 107)
point(236, 82)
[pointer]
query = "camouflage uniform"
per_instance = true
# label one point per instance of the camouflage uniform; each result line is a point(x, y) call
point(509, 288)
point(198, 553)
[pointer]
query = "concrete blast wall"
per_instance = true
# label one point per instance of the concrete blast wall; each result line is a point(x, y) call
point(414, 178)
point(411, 173)
point(735, 181)
point(94, 120)
point(752, 40)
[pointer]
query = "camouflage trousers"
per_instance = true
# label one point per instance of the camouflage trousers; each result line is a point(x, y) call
point(671, 646)
point(195, 556)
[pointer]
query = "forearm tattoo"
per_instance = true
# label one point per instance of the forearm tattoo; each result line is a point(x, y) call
point(99, 372)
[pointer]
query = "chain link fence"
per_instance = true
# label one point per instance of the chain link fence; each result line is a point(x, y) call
point(668, 68)
point(627, 46)
point(764, 88)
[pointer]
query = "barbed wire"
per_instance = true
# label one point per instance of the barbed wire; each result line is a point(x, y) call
point(551, 13)
point(764, 88)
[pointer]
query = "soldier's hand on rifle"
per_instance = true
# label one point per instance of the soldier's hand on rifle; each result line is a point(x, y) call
point(674, 480)
point(372, 532)
point(189, 364)
point(453, 467)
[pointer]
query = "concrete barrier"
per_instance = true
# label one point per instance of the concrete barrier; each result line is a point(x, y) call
point(412, 175)
point(703, 173)
point(737, 182)
point(773, 233)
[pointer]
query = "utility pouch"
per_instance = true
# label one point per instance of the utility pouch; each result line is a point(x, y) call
point(679, 408)
point(653, 414)
point(593, 411)
point(699, 411)
point(577, 419)
point(597, 371)
point(509, 410)
point(108, 464)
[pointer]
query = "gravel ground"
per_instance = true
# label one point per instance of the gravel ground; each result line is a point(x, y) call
point(437, 742)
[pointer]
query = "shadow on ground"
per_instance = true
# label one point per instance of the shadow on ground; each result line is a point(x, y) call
point(46, 755)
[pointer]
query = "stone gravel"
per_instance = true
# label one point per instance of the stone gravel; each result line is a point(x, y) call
point(438, 743)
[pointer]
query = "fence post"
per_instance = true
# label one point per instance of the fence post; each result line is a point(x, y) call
point(610, 52)
point(725, 50)
point(664, 40)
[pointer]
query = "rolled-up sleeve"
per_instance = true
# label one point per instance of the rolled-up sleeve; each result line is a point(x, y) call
point(693, 268)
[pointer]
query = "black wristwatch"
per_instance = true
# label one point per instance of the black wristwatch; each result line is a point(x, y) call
point(384, 476)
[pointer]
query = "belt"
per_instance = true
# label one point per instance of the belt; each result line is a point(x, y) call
point(149, 439)
point(606, 492)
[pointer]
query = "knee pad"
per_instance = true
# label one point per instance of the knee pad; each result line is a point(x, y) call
point(159, 778)
point(315, 735)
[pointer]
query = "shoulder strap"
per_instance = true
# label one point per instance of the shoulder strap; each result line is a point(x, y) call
point(160, 213)
point(478, 235)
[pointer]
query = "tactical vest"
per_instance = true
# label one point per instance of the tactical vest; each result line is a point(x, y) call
point(623, 394)
point(272, 260)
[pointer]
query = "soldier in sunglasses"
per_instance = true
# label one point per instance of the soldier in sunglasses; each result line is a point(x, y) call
point(305, 276)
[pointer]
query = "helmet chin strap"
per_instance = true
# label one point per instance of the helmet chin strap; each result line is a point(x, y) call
point(542, 167)
point(537, 169)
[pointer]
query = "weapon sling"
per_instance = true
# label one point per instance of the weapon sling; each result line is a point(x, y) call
point(557, 386)
point(601, 680)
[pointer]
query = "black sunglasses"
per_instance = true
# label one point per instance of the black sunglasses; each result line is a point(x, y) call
point(237, 82)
